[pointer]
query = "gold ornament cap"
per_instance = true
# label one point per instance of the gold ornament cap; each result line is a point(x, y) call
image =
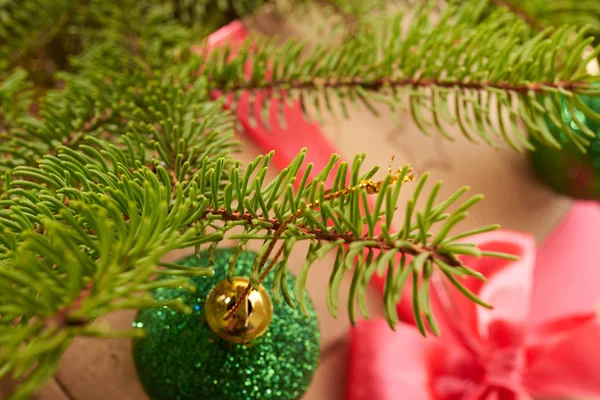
point(250, 321)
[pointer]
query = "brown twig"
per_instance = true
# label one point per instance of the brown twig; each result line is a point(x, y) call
point(348, 238)
point(386, 82)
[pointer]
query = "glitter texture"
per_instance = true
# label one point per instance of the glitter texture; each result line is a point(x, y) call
point(568, 170)
point(181, 358)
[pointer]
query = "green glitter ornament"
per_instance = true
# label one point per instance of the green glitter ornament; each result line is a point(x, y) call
point(181, 358)
point(568, 170)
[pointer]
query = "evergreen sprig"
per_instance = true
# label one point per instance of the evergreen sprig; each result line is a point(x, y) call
point(483, 75)
point(83, 234)
point(173, 117)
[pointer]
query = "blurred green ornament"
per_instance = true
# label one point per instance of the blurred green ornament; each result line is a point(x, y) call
point(568, 170)
point(182, 358)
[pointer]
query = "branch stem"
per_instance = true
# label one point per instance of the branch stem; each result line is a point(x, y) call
point(379, 243)
point(375, 84)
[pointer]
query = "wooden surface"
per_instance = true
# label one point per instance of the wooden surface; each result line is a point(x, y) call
point(94, 369)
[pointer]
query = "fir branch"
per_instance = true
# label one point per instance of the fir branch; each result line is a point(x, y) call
point(320, 235)
point(117, 104)
point(271, 88)
point(478, 77)
point(75, 241)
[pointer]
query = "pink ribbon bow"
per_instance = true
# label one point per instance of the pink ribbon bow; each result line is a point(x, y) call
point(541, 339)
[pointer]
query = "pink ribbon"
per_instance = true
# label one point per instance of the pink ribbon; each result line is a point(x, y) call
point(541, 339)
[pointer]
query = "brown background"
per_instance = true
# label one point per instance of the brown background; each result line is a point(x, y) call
point(96, 369)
